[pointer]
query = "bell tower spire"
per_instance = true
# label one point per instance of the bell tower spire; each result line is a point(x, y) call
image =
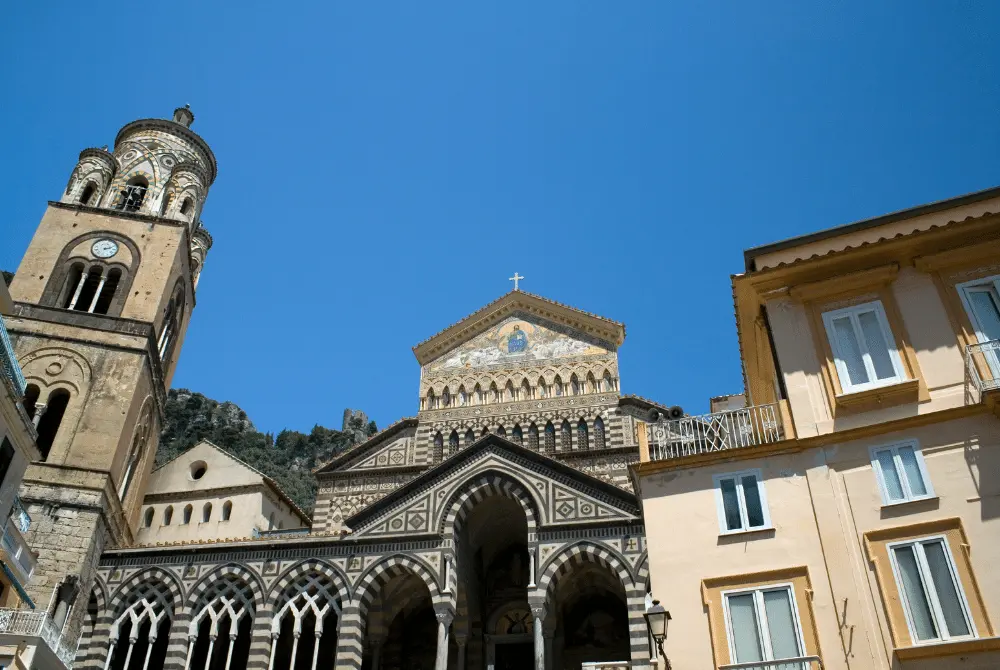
point(103, 297)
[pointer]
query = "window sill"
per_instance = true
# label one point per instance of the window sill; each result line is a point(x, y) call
point(880, 396)
point(910, 502)
point(750, 531)
point(944, 649)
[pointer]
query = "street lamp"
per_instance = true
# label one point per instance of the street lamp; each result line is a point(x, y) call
point(657, 619)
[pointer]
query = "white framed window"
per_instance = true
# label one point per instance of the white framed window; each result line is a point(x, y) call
point(901, 473)
point(933, 600)
point(741, 502)
point(763, 625)
point(864, 350)
point(982, 303)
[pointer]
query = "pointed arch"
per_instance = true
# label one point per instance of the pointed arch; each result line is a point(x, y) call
point(592, 386)
point(380, 573)
point(308, 567)
point(464, 498)
point(584, 552)
point(542, 389)
point(533, 437)
point(453, 442)
point(550, 437)
point(525, 390)
point(517, 436)
point(600, 439)
point(470, 437)
point(171, 590)
point(566, 436)
point(198, 592)
point(582, 436)
point(574, 384)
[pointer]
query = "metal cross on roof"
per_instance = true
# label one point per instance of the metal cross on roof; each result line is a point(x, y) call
point(516, 278)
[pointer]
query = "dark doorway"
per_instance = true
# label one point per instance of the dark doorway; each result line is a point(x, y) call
point(517, 656)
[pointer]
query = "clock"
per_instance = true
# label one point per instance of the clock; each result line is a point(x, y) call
point(104, 248)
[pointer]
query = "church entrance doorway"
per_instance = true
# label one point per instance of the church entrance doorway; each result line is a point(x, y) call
point(493, 570)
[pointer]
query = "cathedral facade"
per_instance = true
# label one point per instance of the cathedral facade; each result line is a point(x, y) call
point(497, 528)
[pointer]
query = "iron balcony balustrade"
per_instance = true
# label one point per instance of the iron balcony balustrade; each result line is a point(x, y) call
point(733, 429)
point(9, 368)
point(982, 365)
point(797, 663)
point(37, 629)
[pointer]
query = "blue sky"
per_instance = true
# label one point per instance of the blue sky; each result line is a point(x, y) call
point(385, 166)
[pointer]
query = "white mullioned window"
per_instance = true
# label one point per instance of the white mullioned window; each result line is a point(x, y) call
point(763, 625)
point(864, 350)
point(933, 599)
point(901, 473)
point(982, 302)
point(741, 502)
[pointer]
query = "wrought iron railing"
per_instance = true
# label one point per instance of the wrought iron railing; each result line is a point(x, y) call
point(9, 368)
point(19, 515)
point(797, 663)
point(982, 365)
point(32, 623)
point(276, 533)
point(733, 429)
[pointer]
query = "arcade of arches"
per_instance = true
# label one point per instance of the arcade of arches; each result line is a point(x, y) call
point(501, 584)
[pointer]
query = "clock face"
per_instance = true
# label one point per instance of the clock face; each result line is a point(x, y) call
point(104, 248)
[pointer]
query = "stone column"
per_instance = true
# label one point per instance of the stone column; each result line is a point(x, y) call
point(376, 648)
point(444, 617)
point(350, 638)
point(460, 661)
point(637, 629)
point(538, 613)
point(263, 641)
point(531, 567)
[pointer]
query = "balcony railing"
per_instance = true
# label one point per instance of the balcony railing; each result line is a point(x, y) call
point(18, 626)
point(9, 368)
point(19, 515)
point(734, 429)
point(797, 663)
point(278, 533)
point(982, 364)
point(17, 550)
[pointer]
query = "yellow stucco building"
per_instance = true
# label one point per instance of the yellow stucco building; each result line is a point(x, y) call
point(843, 511)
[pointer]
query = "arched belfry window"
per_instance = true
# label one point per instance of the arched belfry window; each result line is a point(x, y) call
point(599, 438)
point(87, 194)
point(517, 437)
point(453, 442)
point(446, 397)
point(51, 419)
point(470, 437)
point(131, 196)
point(138, 447)
point(171, 325)
point(566, 440)
point(438, 445)
point(206, 513)
point(188, 509)
point(187, 208)
point(227, 510)
point(93, 274)
point(543, 390)
point(147, 519)
point(581, 435)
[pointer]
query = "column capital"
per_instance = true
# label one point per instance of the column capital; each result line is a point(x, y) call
point(539, 611)
point(445, 616)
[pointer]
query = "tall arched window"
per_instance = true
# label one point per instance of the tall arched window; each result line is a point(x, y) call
point(609, 384)
point(206, 513)
point(107, 293)
point(147, 519)
point(550, 438)
point(139, 439)
point(470, 437)
point(574, 385)
point(517, 437)
point(543, 390)
point(501, 431)
point(430, 399)
point(525, 390)
point(463, 397)
point(509, 394)
point(186, 517)
point(187, 208)
point(91, 289)
point(533, 437)
point(48, 425)
point(478, 397)
point(581, 435)
point(227, 510)
point(453, 442)
point(446, 397)
point(168, 515)
point(558, 386)
point(599, 440)
point(438, 445)
point(88, 193)
point(30, 401)
point(171, 325)
point(486, 431)
point(132, 194)
point(591, 384)
point(494, 393)
point(221, 627)
point(566, 439)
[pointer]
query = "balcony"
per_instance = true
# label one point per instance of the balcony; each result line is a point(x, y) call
point(982, 366)
point(720, 431)
point(9, 369)
point(797, 663)
point(33, 628)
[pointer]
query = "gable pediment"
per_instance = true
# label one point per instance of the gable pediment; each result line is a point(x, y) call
point(589, 328)
point(559, 495)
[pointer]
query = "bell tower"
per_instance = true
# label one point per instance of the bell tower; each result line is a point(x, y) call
point(103, 297)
